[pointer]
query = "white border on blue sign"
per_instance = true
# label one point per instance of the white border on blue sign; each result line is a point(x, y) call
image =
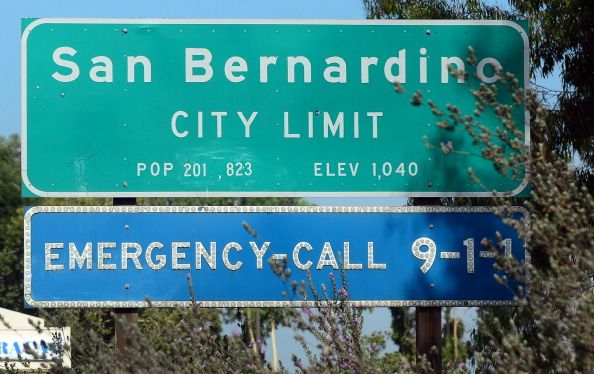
point(253, 209)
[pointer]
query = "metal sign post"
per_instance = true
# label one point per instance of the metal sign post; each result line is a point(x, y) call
point(428, 335)
point(124, 318)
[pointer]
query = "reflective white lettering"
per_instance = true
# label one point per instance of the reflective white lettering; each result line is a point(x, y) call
point(58, 60)
point(49, 256)
point(235, 65)
point(176, 132)
point(202, 63)
point(101, 73)
point(401, 62)
point(226, 250)
point(146, 68)
point(176, 255)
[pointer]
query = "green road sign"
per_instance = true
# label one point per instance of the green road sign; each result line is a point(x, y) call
point(256, 108)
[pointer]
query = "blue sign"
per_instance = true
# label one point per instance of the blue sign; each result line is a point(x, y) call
point(141, 256)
